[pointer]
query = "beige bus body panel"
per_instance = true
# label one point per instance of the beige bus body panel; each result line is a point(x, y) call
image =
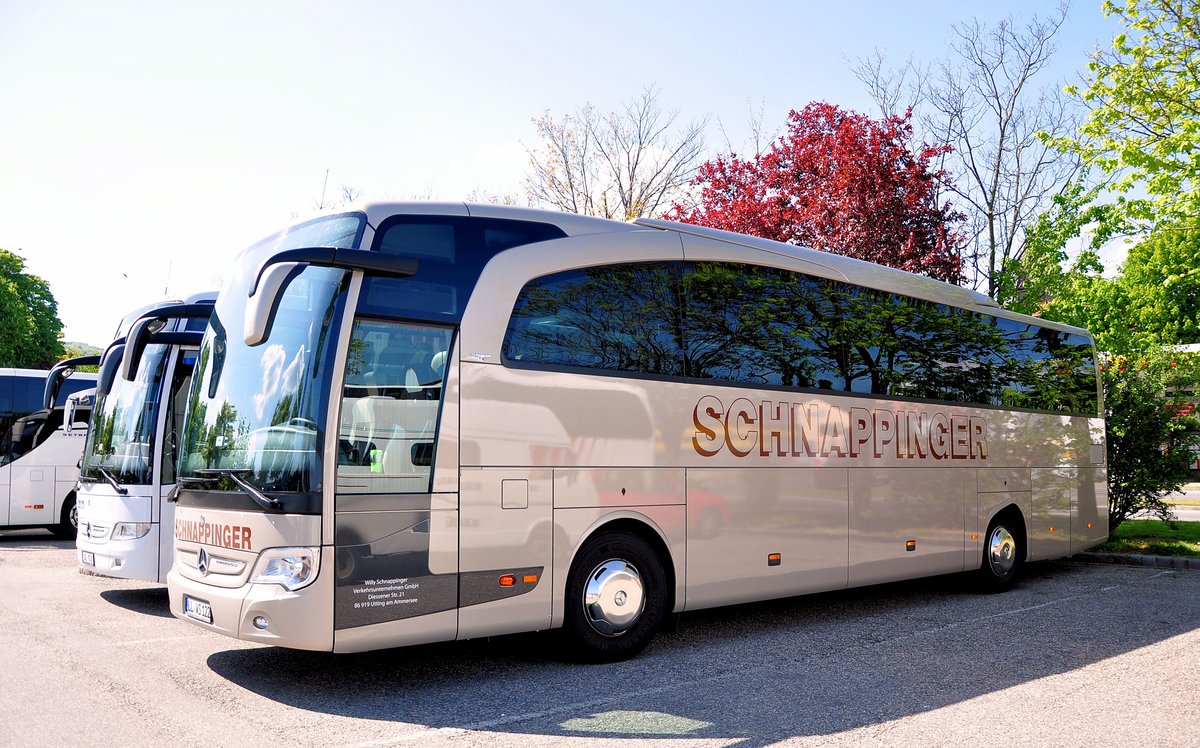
point(738, 517)
point(908, 522)
point(507, 526)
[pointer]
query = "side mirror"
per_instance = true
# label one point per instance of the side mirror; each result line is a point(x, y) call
point(135, 344)
point(108, 368)
point(275, 273)
point(264, 300)
point(59, 373)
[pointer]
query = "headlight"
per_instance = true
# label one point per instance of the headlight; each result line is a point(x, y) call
point(130, 530)
point(291, 568)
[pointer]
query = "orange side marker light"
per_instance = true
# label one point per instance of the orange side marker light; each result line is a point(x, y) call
point(774, 559)
point(508, 580)
point(530, 579)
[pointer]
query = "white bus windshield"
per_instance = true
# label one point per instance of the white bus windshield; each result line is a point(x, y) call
point(121, 440)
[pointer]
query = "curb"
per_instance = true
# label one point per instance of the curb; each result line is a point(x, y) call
point(1129, 559)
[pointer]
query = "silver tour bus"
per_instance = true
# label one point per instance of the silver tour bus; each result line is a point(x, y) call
point(420, 422)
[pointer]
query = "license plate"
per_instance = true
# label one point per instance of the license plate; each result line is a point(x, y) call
point(88, 557)
point(197, 609)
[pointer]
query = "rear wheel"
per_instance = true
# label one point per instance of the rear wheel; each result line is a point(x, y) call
point(616, 597)
point(68, 522)
point(1003, 555)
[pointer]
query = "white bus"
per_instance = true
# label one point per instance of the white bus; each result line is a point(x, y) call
point(128, 464)
point(45, 416)
point(422, 422)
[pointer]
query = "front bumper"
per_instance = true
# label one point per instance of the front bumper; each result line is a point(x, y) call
point(124, 559)
point(298, 620)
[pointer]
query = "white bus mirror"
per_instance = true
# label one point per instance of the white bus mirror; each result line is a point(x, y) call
point(135, 344)
point(109, 365)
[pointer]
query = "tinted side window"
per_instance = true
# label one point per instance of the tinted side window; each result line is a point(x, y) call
point(752, 324)
point(768, 327)
point(27, 393)
point(450, 252)
point(612, 318)
point(6, 395)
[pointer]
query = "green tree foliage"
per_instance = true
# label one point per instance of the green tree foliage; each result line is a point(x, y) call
point(1137, 319)
point(73, 349)
point(1144, 101)
point(29, 323)
point(1150, 445)
point(1161, 280)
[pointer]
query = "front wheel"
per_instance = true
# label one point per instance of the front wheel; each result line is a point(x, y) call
point(1003, 556)
point(68, 522)
point(616, 597)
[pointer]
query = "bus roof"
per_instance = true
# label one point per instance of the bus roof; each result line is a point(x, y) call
point(859, 272)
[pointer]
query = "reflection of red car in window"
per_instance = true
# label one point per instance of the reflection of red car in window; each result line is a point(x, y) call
point(707, 513)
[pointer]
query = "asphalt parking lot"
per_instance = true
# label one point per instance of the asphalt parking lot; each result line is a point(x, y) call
point(1078, 654)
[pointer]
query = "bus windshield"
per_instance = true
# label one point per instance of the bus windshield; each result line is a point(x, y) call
point(121, 440)
point(255, 411)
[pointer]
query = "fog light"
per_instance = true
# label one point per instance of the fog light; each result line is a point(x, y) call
point(261, 623)
point(118, 563)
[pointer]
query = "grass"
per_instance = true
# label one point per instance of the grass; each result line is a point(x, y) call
point(1154, 538)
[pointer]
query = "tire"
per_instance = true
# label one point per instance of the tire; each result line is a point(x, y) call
point(1003, 554)
point(68, 521)
point(616, 598)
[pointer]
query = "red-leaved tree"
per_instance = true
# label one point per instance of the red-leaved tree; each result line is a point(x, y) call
point(842, 182)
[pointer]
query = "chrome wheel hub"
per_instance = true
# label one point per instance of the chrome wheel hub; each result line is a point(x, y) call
point(614, 598)
point(1002, 551)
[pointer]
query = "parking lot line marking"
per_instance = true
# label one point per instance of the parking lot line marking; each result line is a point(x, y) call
point(155, 641)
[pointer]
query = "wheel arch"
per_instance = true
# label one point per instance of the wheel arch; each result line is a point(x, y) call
point(1017, 521)
point(635, 523)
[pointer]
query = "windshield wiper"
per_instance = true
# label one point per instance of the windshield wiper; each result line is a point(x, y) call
point(122, 490)
point(260, 498)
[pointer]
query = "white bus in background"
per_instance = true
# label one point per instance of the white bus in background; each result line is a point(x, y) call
point(40, 445)
point(421, 422)
point(128, 463)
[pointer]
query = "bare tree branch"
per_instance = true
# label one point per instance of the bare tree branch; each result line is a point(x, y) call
point(625, 164)
point(983, 101)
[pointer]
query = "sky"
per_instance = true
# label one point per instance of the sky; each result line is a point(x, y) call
point(143, 144)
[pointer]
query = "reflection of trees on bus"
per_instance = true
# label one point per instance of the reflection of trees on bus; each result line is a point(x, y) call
point(771, 327)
